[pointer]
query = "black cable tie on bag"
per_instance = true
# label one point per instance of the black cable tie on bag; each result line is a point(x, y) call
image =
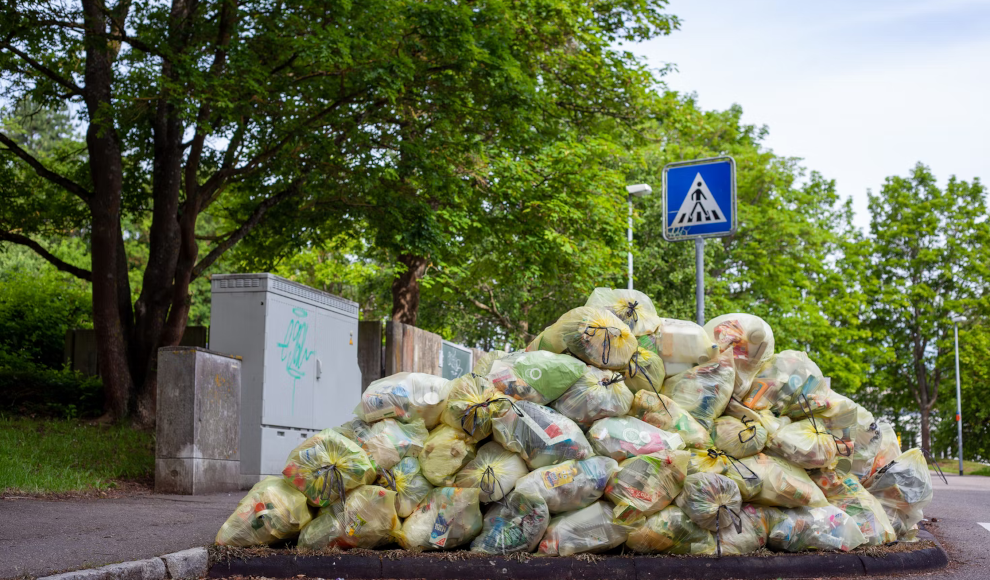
point(752, 428)
point(615, 378)
point(736, 523)
point(483, 405)
point(845, 444)
point(489, 488)
point(607, 344)
point(332, 478)
point(389, 476)
point(715, 453)
point(631, 311)
point(635, 368)
point(937, 467)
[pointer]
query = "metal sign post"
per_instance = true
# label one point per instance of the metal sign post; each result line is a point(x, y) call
point(699, 201)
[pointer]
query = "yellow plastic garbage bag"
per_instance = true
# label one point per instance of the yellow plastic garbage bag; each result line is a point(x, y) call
point(493, 470)
point(367, 520)
point(845, 492)
point(712, 501)
point(471, 404)
point(645, 371)
point(596, 394)
point(405, 397)
point(588, 530)
point(662, 412)
point(571, 485)
point(904, 489)
point(866, 443)
point(714, 460)
point(681, 344)
point(646, 484)
point(538, 376)
point(883, 449)
point(670, 531)
point(631, 306)
point(739, 438)
point(515, 525)
point(787, 375)
point(623, 437)
point(750, 341)
point(326, 466)
point(770, 422)
point(784, 484)
point(272, 511)
point(704, 390)
point(598, 337)
point(819, 528)
point(484, 364)
point(549, 339)
point(747, 535)
point(408, 483)
point(804, 443)
point(540, 435)
point(449, 517)
point(386, 441)
point(445, 452)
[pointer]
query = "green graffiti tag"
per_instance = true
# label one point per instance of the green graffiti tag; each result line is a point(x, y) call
point(294, 352)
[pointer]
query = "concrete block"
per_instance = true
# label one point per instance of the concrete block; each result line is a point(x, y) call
point(93, 574)
point(150, 569)
point(187, 564)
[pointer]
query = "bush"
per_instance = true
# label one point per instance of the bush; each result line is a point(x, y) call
point(29, 389)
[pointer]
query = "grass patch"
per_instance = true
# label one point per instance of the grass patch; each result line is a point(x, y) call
point(57, 456)
point(969, 467)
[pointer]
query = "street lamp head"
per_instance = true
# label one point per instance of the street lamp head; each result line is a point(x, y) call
point(639, 190)
point(958, 319)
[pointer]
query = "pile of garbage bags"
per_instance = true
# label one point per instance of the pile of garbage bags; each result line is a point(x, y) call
point(614, 427)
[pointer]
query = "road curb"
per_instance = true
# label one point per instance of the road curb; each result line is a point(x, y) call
point(184, 565)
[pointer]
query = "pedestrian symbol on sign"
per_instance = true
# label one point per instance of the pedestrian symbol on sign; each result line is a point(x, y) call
point(698, 207)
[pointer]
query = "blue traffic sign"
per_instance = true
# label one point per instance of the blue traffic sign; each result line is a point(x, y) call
point(699, 199)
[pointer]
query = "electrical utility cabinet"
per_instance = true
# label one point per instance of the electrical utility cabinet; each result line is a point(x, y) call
point(300, 370)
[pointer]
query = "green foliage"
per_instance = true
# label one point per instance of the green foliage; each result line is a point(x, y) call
point(31, 390)
point(53, 456)
point(974, 366)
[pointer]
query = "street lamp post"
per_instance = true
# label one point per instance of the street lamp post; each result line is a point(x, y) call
point(956, 322)
point(638, 190)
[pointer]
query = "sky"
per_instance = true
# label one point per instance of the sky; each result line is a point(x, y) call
point(860, 90)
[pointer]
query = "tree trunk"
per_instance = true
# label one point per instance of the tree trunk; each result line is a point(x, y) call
point(405, 289)
point(926, 431)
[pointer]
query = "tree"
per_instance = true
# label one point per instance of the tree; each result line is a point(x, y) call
point(974, 366)
point(929, 260)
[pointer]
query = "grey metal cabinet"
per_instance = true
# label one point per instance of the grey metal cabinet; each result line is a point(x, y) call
point(300, 369)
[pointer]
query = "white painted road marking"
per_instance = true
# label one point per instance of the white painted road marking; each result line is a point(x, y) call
point(987, 526)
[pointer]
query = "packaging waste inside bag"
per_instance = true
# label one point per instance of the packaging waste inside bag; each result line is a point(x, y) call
point(405, 397)
point(368, 520)
point(806, 444)
point(904, 489)
point(624, 437)
point(590, 529)
point(883, 449)
point(471, 404)
point(712, 501)
point(662, 412)
point(493, 470)
point(515, 525)
point(570, 485)
point(327, 465)
point(670, 531)
point(386, 441)
point(538, 376)
point(631, 306)
point(714, 460)
point(272, 511)
point(597, 394)
point(845, 492)
point(540, 435)
point(818, 528)
point(449, 517)
point(445, 452)
point(646, 484)
point(749, 340)
point(784, 484)
point(645, 371)
point(408, 483)
point(483, 365)
point(598, 337)
point(739, 438)
point(787, 375)
point(681, 345)
point(704, 390)
point(749, 535)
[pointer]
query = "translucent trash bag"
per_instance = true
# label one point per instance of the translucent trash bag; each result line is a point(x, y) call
point(597, 337)
point(471, 404)
point(779, 382)
point(493, 470)
point(882, 448)
point(845, 492)
point(714, 460)
point(597, 394)
point(747, 535)
point(571, 485)
point(405, 397)
point(631, 306)
point(327, 465)
point(271, 512)
point(367, 520)
point(449, 517)
point(739, 438)
point(670, 531)
point(681, 344)
point(540, 435)
point(710, 500)
point(645, 371)
point(538, 376)
point(515, 525)
point(662, 412)
point(624, 437)
point(813, 528)
point(703, 391)
point(445, 452)
point(386, 441)
point(806, 444)
point(904, 489)
point(410, 485)
point(784, 484)
point(646, 484)
point(484, 364)
point(588, 530)
point(749, 340)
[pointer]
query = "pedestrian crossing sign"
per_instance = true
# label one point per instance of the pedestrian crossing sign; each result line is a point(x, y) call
point(699, 199)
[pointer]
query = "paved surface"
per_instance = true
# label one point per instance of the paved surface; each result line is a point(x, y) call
point(40, 537)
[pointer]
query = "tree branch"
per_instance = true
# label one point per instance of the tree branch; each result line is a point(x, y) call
point(40, 169)
point(48, 256)
point(74, 89)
